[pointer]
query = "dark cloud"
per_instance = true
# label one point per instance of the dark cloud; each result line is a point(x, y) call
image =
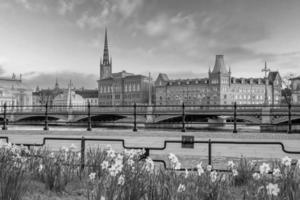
point(47, 80)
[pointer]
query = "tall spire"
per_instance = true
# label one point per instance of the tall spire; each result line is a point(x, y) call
point(105, 52)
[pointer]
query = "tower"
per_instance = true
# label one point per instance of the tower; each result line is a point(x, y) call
point(105, 62)
point(219, 81)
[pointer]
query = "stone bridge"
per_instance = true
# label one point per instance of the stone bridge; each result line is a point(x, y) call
point(159, 114)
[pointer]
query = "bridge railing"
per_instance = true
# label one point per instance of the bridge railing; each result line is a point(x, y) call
point(187, 142)
point(179, 116)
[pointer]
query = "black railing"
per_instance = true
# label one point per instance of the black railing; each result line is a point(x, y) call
point(181, 116)
point(210, 143)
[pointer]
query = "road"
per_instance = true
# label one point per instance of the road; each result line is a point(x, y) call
point(154, 138)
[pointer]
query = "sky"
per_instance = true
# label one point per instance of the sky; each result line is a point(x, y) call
point(48, 39)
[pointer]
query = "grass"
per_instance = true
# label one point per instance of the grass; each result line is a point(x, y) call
point(40, 174)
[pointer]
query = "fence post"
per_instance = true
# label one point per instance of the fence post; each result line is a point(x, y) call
point(46, 128)
point(209, 152)
point(4, 117)
point(183, 118)
point(290, 118)
point(134, 117)
point(234, 118)
point(89, 128)
point(82, 152)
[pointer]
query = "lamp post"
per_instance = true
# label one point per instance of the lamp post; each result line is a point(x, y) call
point(266, 70)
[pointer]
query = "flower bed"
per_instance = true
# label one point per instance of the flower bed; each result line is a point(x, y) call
point(109, 175)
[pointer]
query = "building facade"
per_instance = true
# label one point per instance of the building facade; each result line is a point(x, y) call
point(121, 88)
point(295, 90)
point(15, 94)
point(90, 96)
point(220, 88)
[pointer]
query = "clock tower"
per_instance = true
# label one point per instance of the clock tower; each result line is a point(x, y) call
point(105, 63)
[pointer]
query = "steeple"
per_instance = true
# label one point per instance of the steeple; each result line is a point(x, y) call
point(105, 51)
point(220, 65)
point(105, 62)
point(56, 84)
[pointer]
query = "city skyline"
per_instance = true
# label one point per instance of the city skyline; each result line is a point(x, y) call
point(64, 39)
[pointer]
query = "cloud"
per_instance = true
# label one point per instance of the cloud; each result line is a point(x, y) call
point(105, 12)
point(33, 5)
point(65, 6)
point(47, 80)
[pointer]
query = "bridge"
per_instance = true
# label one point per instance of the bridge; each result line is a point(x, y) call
point(213, 115)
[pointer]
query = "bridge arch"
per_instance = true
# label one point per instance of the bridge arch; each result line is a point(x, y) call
point(39, 118)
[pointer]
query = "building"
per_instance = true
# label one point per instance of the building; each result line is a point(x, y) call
point(121, 88)
point(41, 97)
point(219, 88)
point(295, 90)
point(15, 94)
point(69, 100)
point(89, 96)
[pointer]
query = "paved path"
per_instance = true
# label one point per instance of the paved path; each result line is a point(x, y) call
point(148, 138)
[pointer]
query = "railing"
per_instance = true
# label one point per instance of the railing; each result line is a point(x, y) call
point(233, 113)
point(185, 142)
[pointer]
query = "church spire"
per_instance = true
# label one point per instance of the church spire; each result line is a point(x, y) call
point(105, 52)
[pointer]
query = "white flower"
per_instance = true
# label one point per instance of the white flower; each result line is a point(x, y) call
point(200, 169)
point(181, 188)
point(41, 167)
point(230, 164)
point(72, 147)
point(104, 165)
point(111, 153)
point(51, 155)
point(209, 168)
point(277, 173)
point(174, 161)
point(172, 158)
point(186, 174)
point(235, 172)
point(286, 161)
point(121, 180)
point(79, 155)
point(92, 176)
point(223, 179)
point(149, 165)
point(102, 198)
point(65, 149)
point(272, 189)
point(264, 168)
point(256, 176)
point(213, 176)
point(130, 162)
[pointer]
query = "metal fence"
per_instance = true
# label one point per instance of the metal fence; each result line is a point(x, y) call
point(186, 142)
point(184, 113)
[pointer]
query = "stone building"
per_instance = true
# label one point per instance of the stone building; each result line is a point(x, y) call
point(295, 90)
point(89, 96)
point(220, 88)
point(121, 88)
point(15, 94)
point(69, 100)
point(42, 96)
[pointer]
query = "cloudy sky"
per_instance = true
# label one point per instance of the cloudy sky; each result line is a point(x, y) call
point(45, 39)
